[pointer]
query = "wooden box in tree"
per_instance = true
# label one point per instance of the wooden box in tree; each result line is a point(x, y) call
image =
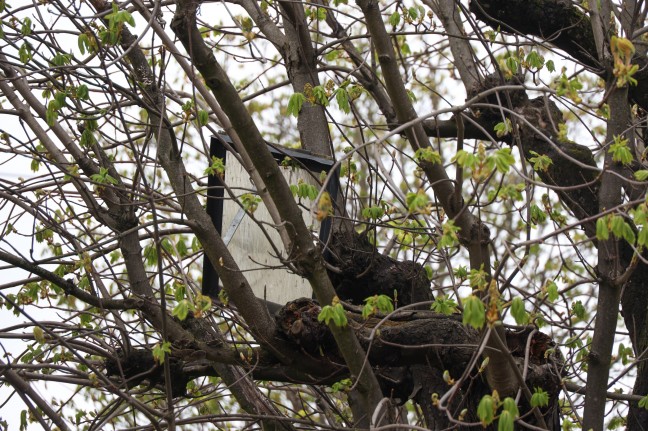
point(241, 228)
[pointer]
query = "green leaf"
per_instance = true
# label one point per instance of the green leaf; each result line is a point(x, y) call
point(83, 42)
point(540, 162)
point(87, 139)
point(428, 155)
point(508, 405)
point(578, 309)
point(250, 202)
point(410, 94)
point(505, 422)
point(551, 67)
point(617, 223)
point(35, 165)
point(625, 354)
point(444, 305)
point(26, 27)
point(126, 17)
point(620, 151)
point(103, 177)
point(355, 91)
point(39, 335)
point(202, 304)
point(334, 54)
point(643, 402)
point(628, 233)
point(537, 215)
point(25, 52)
point(150, 255)
point(503, 159)
point(377, 304)
point(82, 92)
point(503, 128)
point(552, 291)
point(641, 175)
point(217, 167)
point(394, 19)
point(333, 313)
point(23, 420)
point(602, 231)
point(61, 98)
point(203, 118)
point(429, 272)
point(417, 202)
point(373, 213)
point(342, 99)
point(512, 64)
point(304, 190)
point(295, 104)
point(617, 422)
point(486, 410)
point(461, 272)
point(61, 59)
point(474, 313)
point(568, 87)
point(319, 93)
point(179, 293)
point(51, 114)
point(385, 304)
point(507, 192)
point(539, 398)
point(160, 351)
point(478, 279)
point(519, 312)
point(91, 124)
point(535, 60)
point(642, 238)
point(466, 159)
point(181, 310)
point(342, 385)
point(449, 237)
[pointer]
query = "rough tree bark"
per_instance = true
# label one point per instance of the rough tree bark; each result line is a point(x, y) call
point(564, 25)
point(408, 351)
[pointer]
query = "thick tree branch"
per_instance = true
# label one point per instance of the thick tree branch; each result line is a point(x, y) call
point(24, 111)
point(69, 287)
point(366, 76)
point(296, 49)
point(239, 382)
point(450, 17)
point(26, 392)
point(306, 255)
point(473, 234)
point(562, 24)
point(210, 100)
point(610, 270)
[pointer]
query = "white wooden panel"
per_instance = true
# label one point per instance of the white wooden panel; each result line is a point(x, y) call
point(251, 248)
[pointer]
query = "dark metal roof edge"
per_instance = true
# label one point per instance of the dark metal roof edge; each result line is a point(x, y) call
point(312, 162)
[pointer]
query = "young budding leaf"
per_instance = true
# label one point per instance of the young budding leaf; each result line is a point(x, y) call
point(474, 313)
point(486, 410)
point(539, 398)
point(295, 104)
point(519, 312)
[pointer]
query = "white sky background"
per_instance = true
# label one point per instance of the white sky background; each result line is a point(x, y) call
point(11, 170)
